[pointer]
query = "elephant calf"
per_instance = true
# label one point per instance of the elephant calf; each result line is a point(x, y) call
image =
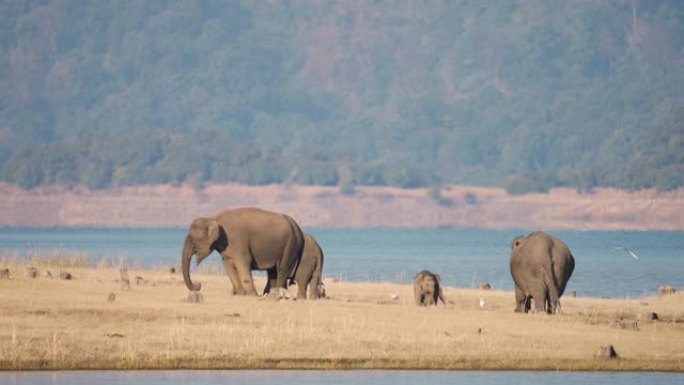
point(426, 288)
point(309, 271)
point(541, 266)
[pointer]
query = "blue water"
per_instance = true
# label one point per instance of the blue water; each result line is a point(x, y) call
point(463, 257)
point(298, 377)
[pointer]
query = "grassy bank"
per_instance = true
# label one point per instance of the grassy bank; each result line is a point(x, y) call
point(52, 323)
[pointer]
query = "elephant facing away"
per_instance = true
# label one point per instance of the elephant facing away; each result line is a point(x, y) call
point(309, 271)
point(541, 266)
point(426, 288)
point(247, 239)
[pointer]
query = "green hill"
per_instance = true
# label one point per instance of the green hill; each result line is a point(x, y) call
point(522, 94)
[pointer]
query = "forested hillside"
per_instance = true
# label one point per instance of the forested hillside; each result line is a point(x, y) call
point(526, 94)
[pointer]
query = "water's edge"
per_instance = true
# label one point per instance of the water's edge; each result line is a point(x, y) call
point(463, 257)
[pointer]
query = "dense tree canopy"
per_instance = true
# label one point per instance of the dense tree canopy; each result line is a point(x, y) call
point(525, 94)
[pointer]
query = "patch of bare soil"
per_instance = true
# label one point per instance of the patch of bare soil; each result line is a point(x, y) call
point(320, 206)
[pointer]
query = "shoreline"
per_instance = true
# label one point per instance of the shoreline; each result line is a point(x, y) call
point(456, 206)
point(55, 324)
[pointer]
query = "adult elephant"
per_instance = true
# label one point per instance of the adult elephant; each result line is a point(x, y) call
point(541, 266)
point(247, 239)
point(309, 270)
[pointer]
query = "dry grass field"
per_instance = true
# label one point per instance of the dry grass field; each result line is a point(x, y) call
point(53, 323)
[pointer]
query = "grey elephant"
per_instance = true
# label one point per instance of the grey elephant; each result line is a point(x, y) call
point(309, 272)
point(426, 288)
point(541, 266)
point(247, 239)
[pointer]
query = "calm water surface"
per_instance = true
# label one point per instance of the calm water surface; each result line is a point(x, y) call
point(269, 377)
point(463, 257)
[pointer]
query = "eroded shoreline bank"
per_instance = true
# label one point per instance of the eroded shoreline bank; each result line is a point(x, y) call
point(326, 206)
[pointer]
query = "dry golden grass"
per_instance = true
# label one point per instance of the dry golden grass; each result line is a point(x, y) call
point(50, 323)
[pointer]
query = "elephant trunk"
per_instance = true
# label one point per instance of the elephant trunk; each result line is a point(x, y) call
point(188, 251)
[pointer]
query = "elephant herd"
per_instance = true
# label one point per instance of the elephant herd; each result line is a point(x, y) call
point(540, 264)
point(254, 239)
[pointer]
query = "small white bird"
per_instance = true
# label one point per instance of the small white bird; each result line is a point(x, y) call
point(627, 250)
point(482, 303)
point(395, 297)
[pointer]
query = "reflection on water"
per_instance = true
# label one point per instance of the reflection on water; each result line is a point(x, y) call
point(298, 377)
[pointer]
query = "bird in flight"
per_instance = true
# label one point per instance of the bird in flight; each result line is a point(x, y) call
point(628, 251)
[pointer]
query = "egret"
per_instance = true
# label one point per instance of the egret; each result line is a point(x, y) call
point(628, 251)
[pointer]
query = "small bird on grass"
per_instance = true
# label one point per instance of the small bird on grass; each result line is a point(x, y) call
point(482, 303)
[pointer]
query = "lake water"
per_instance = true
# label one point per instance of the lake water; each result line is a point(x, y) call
point(463, 257)
point(378, 377)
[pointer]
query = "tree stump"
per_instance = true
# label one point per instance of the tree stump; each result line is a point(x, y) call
point(650, 316)
point(31, 272)
point(607, 352)
point(66, 275)
point(5, 273)
point(111, 297)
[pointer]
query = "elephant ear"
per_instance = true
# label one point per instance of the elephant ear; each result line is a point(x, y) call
point(438, 278)
point(212, 231)
point(517, 241)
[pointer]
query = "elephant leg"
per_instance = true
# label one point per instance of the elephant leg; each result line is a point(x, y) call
point(417, 294)
point(231, 271)
point(430, 300)
point(539, 294)
point(301, 290)
point(244, 271)
point(521, 301)
point(270, 281)
point(283, 272)
point(303, 278)
point(313, 286)
point(553, 301)
point(290, 258)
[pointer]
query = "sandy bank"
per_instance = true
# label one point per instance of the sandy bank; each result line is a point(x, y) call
point(50, 323)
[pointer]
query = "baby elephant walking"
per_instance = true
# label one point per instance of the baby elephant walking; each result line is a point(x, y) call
point(426, 288)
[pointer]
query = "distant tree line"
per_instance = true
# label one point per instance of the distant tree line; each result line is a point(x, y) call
point(527, 95)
